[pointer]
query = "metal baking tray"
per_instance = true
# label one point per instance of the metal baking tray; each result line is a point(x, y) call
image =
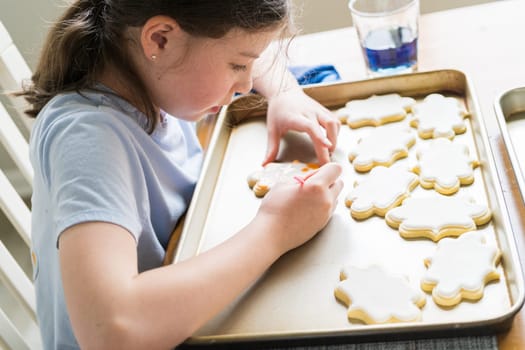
point(295, 299)
point(510, 113)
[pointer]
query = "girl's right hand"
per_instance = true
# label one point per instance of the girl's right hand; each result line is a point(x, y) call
point(292, 213)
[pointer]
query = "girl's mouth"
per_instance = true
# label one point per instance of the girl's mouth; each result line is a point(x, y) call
point(215, 109)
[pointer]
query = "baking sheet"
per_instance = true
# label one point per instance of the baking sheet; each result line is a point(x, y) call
point(510, 112)
point(295, 299)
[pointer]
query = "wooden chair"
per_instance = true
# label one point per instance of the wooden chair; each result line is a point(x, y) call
point(18, 322)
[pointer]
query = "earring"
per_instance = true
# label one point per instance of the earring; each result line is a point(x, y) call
point(153, 57)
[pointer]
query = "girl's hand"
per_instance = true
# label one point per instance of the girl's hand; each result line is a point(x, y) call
point(292, 213)
point(294, 110)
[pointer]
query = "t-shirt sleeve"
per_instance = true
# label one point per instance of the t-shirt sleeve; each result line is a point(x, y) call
point(91, 167)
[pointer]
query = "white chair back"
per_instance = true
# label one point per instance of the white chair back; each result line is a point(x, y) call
point(13, 71)
point(18, 322)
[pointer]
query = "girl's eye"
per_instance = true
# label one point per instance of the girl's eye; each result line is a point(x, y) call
point(239, 67)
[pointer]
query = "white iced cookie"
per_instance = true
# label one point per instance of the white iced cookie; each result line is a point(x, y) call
point(437, 217)
point(460, 269)
point(375, 110)
point(438, 116)
point(445, 166)
point(383, 189)
point(261, 181)
point(375, 296)
point(382, 146)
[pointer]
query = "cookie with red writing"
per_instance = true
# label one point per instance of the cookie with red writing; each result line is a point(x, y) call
point(262, 180)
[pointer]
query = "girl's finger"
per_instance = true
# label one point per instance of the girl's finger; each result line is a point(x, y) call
point(272, 148)
point(321, 151)
point(328, 175)
point(320, 141)
point(336, 187)
point(332, 126)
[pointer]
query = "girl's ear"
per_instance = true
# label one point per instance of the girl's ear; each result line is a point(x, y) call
point(157, 33)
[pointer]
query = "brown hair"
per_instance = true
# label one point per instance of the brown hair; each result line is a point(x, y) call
point(91, 35)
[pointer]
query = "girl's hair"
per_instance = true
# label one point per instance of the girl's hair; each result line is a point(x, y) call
point(91, 35)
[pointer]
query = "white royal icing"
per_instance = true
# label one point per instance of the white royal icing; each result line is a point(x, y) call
point(372, 150)
point(376, 110)
point(461, 264)
point(380, 295)
point(437, 213)
point(439, 116)
point(382, 189)
point(446, 164)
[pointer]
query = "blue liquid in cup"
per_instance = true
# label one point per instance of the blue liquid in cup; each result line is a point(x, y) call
point(391, 49)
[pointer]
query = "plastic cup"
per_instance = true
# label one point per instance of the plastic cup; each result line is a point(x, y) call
point(388, 32)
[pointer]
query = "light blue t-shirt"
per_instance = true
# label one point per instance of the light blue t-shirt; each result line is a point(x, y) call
point(94, 161)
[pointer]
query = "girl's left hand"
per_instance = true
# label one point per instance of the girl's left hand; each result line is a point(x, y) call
point(294, 110)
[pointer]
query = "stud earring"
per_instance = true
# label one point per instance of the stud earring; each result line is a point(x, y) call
point(153, 57)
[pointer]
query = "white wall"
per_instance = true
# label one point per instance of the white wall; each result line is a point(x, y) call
point(320, 15)
point(28, 20)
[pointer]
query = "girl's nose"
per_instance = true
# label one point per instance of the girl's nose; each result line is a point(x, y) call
point(245, 86)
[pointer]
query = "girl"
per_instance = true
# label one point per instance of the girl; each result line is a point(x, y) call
point(116, 93)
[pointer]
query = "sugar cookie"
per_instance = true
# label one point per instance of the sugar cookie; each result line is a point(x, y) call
point(375, 110)
point(445, 166)
point(438, 116)
point(435, 217)
point(262, 180)
point(383, 189)
point(372, 150)
point(460, 269)
point(375, 296)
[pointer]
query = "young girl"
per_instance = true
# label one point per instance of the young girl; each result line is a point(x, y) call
point(116, 93)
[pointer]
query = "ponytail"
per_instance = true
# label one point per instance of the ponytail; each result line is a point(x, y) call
point(78, 48)
point(71, 56)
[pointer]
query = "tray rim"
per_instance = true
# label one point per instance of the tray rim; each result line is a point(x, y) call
point(509, 147)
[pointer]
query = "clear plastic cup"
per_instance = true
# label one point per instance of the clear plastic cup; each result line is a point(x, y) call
point(388, 34)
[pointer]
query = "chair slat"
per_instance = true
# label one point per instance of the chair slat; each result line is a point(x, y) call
point(16, 281)
point(15, 145)
point(15, 209)
point(18, 321)
point(14, 70)
point(9, 334)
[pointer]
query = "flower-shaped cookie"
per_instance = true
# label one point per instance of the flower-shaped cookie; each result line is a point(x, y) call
point(262, 180)
point(460, 269)
point(376, 296)
point(438, 116)
point(436, 217)
point(383, 189)
point(375, 110)
point(445, 166)
point(383, 146)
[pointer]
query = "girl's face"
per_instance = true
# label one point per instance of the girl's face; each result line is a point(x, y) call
point(207, 74)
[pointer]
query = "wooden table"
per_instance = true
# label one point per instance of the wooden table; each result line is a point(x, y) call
point(486, 43)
